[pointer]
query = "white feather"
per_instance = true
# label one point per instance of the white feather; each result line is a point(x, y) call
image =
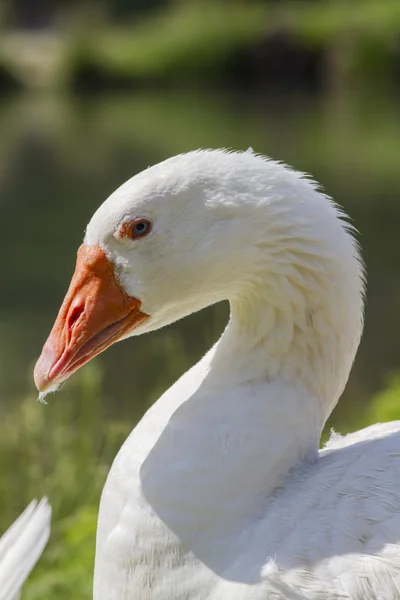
point(21, 547)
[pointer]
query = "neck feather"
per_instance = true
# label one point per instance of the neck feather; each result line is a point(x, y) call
point(298, 321)
point(229, 436)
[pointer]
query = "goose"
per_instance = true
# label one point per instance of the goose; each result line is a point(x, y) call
point(21, 546)
point(221, 492)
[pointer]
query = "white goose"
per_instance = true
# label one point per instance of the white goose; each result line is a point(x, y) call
point(21, 546)
point(220, 491)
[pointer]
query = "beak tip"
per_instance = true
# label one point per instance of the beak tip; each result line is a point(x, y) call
point(42, 369)
point(40, 376)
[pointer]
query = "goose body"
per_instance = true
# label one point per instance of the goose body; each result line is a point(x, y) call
point(21, 546)
point(220, 491)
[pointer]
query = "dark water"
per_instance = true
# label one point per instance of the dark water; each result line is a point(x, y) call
point(60, 158)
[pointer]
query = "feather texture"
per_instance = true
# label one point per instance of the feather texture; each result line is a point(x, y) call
point(21, 547)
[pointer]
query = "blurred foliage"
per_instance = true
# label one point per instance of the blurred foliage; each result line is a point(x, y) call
point(385, 405)
point(66, 454)
point(323, 21)
point(66, 568)
point(135, 44)
point(189, 39)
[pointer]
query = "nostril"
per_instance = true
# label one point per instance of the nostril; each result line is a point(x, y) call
point(74, 316)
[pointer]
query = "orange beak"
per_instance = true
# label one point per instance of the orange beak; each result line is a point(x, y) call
point(95, 313)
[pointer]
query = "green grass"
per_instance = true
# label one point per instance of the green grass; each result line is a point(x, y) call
point(64, 454)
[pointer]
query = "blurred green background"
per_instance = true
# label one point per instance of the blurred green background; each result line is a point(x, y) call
point(92, 92)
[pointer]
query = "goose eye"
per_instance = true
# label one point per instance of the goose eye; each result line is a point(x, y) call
point(134, 229)
point(140, 228)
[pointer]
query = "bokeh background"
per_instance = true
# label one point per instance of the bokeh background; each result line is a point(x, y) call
point(92, 92)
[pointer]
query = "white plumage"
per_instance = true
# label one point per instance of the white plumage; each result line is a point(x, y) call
point(220, 491)
point(21, 547)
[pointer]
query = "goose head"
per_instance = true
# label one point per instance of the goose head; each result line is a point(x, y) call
point(207, 226)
